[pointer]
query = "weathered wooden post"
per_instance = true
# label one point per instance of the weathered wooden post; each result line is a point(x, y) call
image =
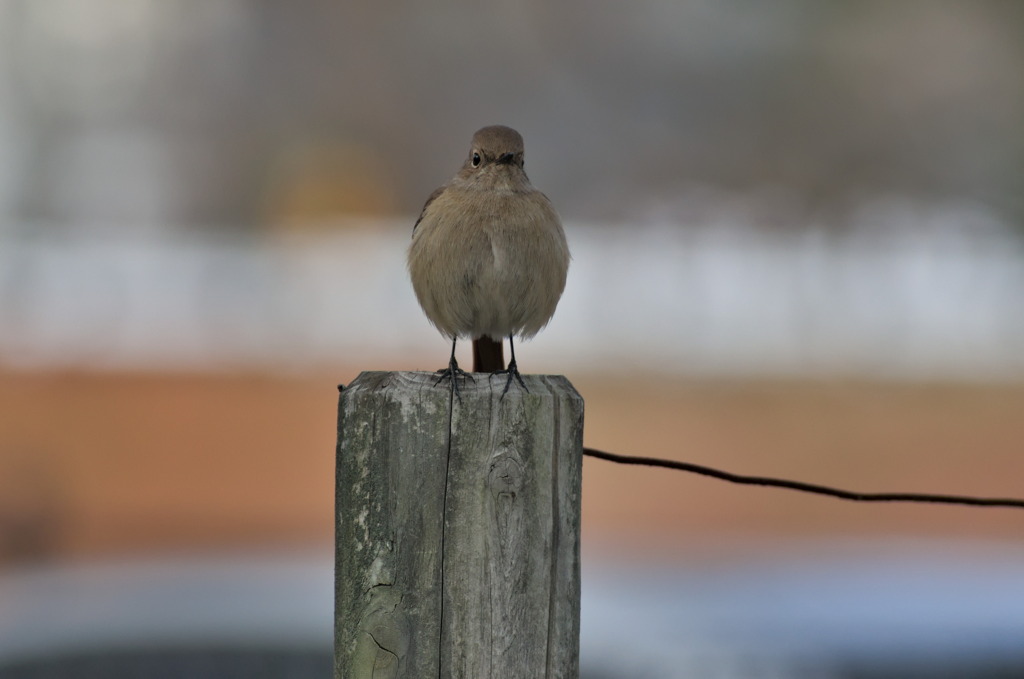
point(458, 529)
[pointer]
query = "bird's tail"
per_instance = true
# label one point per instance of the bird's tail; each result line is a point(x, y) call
point(488, 355)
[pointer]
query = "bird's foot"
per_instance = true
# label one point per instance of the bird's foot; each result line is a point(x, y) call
point(453, 373)
point(513, 373)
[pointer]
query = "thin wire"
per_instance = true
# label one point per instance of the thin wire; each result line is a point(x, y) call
point(806, 487)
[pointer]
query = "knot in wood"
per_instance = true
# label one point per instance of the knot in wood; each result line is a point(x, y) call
point(506, 475)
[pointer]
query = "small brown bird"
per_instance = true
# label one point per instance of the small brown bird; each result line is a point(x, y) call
point(488, 258)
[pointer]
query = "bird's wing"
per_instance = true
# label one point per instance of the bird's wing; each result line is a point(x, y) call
point(437, 192)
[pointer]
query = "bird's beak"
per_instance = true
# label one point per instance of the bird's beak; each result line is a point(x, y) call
point(506, 158)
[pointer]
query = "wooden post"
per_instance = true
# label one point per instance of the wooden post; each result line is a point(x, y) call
point(458, 528)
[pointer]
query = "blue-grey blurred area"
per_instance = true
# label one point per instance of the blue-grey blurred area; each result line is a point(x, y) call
point(854, 611)
point(786, 187)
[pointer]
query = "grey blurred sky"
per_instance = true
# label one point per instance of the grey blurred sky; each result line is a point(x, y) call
point(246, 113)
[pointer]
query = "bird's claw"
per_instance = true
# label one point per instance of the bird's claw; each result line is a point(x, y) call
point(453, 373)
point(513, 373)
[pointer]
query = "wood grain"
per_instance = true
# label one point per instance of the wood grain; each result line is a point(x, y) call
point(457, 531)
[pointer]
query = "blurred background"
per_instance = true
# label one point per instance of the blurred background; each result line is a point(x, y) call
point(798, 240)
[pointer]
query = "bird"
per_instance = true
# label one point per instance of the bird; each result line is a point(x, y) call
point(488, 258)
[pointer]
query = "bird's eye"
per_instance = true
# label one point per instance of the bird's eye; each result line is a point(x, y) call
point(476, 159)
